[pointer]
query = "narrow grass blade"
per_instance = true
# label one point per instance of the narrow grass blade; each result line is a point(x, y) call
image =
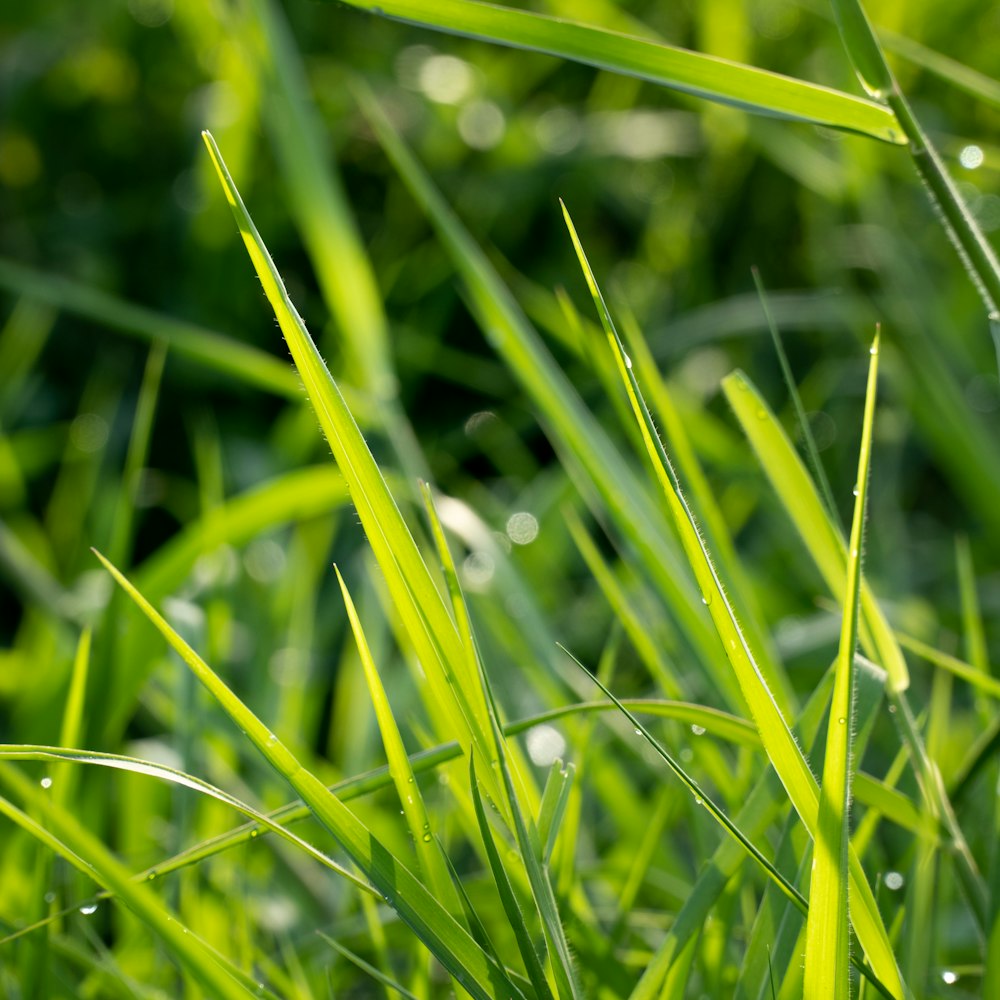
point(812, 452)
point(550, 813)
point(705, 76)
point(432, 864)
point(827, 972)
point(376, 974)
point(63, 834)
point(445, 938)
point(413, 591)
point(863, 48)
point(822, 538)
point(515, 916)
point(784, 753)
point(213, 350)
point(135, 765)
point(976, 678)
point(595, 463)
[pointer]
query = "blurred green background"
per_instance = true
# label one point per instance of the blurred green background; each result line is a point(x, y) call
point(105, 188)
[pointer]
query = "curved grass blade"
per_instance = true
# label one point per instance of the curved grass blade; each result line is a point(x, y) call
point(432, 863)
point(413, 591)
point(976, 678)
point(827, 972)
point(136, 765)
point(720, 80)
point(515, 916)
point(476, 971)
point(823, 540)
point(63, 834)
point(784, 753)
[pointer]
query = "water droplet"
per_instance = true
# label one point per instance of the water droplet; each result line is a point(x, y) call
point(628, 361)
point(698, 730)
point(855, 491)
point(706, 599)
point(698, 801)
point(427, 838)
point(842, 721)
point(253, 833)
point(873, 349)
point(271, 738)
point(949, 976)
point(46, 782)
point(50, 897)
point(88, 908)
point(638, 732)
point(409, 780)
point(893, 881)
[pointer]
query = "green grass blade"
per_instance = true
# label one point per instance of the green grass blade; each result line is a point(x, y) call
point(376, 974)
point(705, 76)
point(413, 591)
point(784, 753)
point(135, 765)
point(594, 461)
point(827, 971)
point(63, 834)
point(432, 864)
point(213, 350)
point(533, 962)
point(975, 677)
point(555, 795)
point(797, 493)
point(863, 48)
point(445, 938)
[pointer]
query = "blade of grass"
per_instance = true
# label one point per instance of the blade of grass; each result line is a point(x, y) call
point(784, 753)
point(515, 916)
point(64, 835)
point(827, 972)
point(797, 493)
point(413, 591)
point(705, 76)
point(476, 971)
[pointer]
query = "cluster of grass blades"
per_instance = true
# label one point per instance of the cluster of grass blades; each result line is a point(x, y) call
point(534, 834)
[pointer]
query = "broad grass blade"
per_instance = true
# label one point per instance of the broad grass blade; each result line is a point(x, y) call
point(413, 591)
point(782, 750)
point(802, 503)
point(705, 76)
point(476, 971)
point(827, 972)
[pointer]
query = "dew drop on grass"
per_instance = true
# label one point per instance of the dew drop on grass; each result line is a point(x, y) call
point(427, 838)
point(46, 782)
point(842, 721)
point(638, 732)
point(50, 897)
point(88, 909)
point(893, 881)
point(628, 361)
point(698, 730)
point(706, 599)
point(949, 977)
point(855, 491)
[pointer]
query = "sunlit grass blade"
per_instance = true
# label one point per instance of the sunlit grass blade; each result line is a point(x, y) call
point(533, 962)
point(798, 495)
point(413, 591)
point(593, 460)
point(784, 753)
point(63, 834)
point(668, 66)
point(976, 678)
point(432, 864)
point(827, 972)
point(550, 813)
point(172, 775)
point(445, 938)
point(246, 364)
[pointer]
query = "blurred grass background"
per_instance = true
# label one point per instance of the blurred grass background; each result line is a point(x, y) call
point(106, 197)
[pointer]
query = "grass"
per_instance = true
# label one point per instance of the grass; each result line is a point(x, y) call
point(560, 677)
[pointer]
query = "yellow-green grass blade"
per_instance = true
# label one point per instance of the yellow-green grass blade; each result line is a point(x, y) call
point(555, 795)
point(73, 714)
point(772, 673)
point(705, 76)
point(65, 835)
point(976, 678)
point(411, 586)
point(533, 962)
point(863, 48)
point(213, 350)
point(319, 205)
point(428, 848)
point(782, 750)
point(594, 462)
point(476, 971)
point(136, 765)
point(795, 489)
point(827, 970)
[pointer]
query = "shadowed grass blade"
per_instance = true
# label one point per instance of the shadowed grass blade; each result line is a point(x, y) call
point(827, 972)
